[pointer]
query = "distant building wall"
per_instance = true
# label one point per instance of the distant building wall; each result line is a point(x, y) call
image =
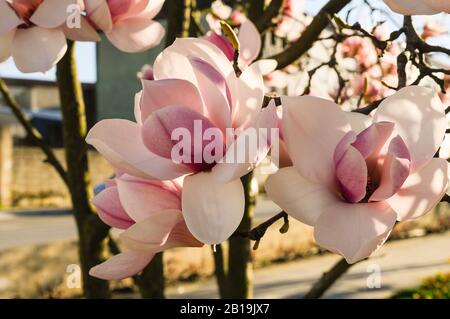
point(117, 82)
point(36, 184)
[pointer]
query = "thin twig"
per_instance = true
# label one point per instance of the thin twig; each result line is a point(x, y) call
point(258, 232)
point(310, 35)
point(32, 132)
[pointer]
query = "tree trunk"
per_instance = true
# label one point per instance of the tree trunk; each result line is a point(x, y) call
point(179, 18)
point(92, 231)
point(240, 268)
point(151, 281)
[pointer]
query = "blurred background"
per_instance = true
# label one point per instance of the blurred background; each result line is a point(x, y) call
point(38, 251)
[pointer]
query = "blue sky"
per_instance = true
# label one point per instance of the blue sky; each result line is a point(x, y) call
point(86, 58)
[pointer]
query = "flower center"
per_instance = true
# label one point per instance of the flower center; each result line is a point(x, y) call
point(372, 165)
point(25, 9)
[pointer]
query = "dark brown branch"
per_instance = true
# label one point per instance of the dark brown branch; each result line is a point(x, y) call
point(266, 20)
point(179, 19)
point(328, 279)
point(32, 133)
point(369, 108)
point(259, 231)
point(310, 35)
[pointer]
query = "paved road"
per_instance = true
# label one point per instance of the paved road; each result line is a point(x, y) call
point(40, 227)
point(31, 228)
point(402, 264)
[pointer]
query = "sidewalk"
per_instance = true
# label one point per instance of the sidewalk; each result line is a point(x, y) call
point(403, 264)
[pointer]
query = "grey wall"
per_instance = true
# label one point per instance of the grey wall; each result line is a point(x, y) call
point(116, 79)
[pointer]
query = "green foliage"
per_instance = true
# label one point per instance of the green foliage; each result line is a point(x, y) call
point(437, 287)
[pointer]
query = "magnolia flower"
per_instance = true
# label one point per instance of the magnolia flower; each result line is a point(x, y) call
point(33, 32)
point(146, 72)
point(150, 213)
point(221, 10)
point(250, 44)
point(353, 176)
point(432, 28)
point(194, 83)
point(128, 24)
point(418, 7)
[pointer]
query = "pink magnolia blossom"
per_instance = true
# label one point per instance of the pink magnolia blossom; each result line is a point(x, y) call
point(360, 49)
point(432, 28)
point(221, 10)
point(250, 46)
point(194, 82)
point(128, 24)
point(353, 176)
point(237, 17)
point(146, 73)
point(150, 213)
point(34, 32)
point(419, 7)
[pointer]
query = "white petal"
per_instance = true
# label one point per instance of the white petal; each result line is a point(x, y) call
point(212, 210)
point(302, 199)
point(37, 49)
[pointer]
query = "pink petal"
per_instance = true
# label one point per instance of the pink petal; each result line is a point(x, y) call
point(354, 230)
point(310, 143)
point(142, 198)
point(5, 44)
point(157, 94)
point(249, 93)
point(180, 236)
point(8, 18)
point(121, 266)
point(222, 43)
point(395, 170)
point(52, 13)
point(243, 157)
point(300, 198)
point(358, 121)
point(215, 93)
point(123, 9)
point(250, 41)
point(85, 33)
point(136, 34)
point(120, 142)
point(161, 125)
point(343, 145)
point(110, 209)
point(370, 141)
point(37, 49)
point(441, 6)
point(98, 12)
point(174, 61)
point(351, 173)
point(266, 66)
point(419, 119)
point(413, 7)
point(151, 234)
point(137, 107)
point(421, 191)
point(212, 210)
point(152, 9)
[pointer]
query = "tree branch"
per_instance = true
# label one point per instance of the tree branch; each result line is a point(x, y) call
point(310, 35)
point(273, 10)
point(258, 232)
point(32, 132)
point(328, 279)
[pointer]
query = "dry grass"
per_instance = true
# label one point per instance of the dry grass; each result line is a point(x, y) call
point(40, 271)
